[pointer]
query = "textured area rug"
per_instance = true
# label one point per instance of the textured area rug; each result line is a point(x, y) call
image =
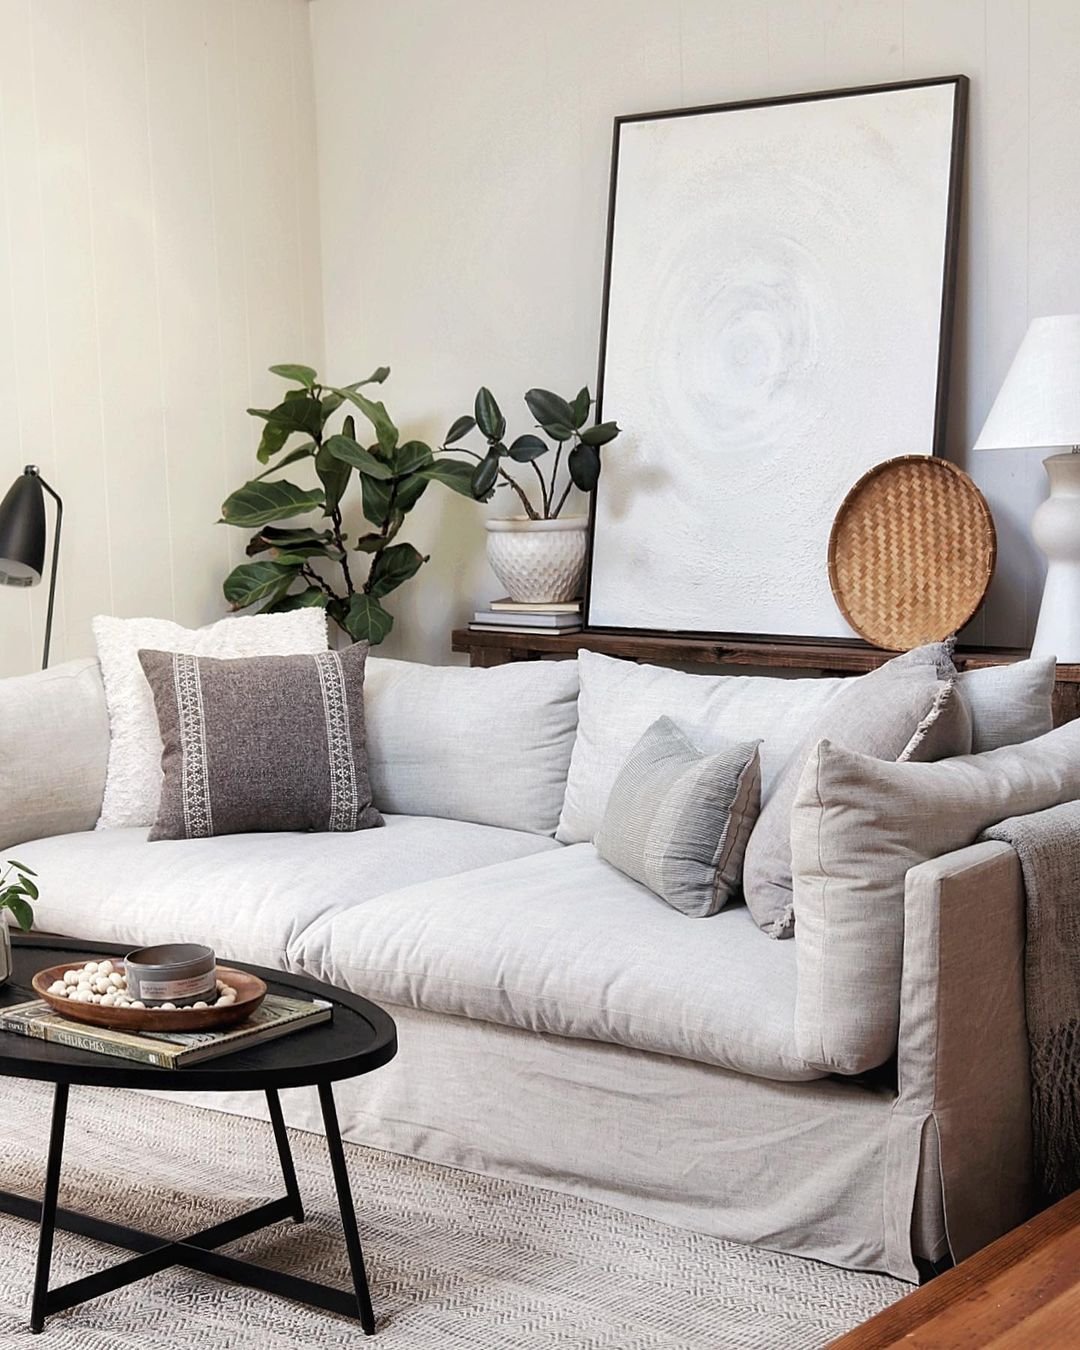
point(455, 1261)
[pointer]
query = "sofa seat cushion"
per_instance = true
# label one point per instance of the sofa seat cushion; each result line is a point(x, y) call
point(248, 895)
point(561, 942)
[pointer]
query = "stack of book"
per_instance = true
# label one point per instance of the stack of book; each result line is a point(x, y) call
point(510, 616)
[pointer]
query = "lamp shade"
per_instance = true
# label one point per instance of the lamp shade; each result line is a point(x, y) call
point(1038, 405)
point(22, 532)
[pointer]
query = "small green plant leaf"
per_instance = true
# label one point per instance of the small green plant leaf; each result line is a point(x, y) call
point(366, 621)
point(334, 476)
point(304, 451)
point(312, 598)
point(484, 475)
point(580, 408)
point(375, 494)
point(259, 503)
point(460, 428)
point(393, 567)
point(300, 374)
point(289, 541)
point(20, 867)
point(584, 466)
point(488, 416)
point(527, 448)
point(454, 474)
point(409, 490)
point(21, 912)
point(299, 411)
point(409, 457)
point(550, 410)
point(371, 543)
point(352, 453)
point(272, 441)
point(600, 434)
point(251, 582)
point(386, 433)
point(28, 888)
point(376, 377)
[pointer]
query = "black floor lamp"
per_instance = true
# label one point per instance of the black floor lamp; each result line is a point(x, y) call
point(22, 539)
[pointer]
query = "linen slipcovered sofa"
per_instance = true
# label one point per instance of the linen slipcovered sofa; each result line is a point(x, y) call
point(558, 1022)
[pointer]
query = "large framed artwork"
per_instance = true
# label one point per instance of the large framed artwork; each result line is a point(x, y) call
point(778, 300)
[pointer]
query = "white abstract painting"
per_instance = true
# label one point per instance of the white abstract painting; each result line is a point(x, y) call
point(775, 293)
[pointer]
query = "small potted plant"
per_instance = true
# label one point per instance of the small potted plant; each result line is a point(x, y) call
point(539, 556)
point(17, 890)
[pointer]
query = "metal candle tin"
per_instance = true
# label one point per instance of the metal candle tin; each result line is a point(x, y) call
point(181, 973)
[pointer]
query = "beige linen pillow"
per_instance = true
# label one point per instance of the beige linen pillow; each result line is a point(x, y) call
point(901, 711)
point(858, 826)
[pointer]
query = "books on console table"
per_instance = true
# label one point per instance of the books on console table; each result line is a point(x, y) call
point(276, 1016)
point(520, 607)
point(511, 616)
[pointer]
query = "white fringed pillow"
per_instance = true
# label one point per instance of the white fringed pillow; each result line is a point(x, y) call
point(133, 781)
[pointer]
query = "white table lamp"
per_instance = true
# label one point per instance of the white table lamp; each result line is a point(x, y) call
point(1038, 407)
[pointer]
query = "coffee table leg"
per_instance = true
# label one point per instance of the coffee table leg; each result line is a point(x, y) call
point(48, 1208)
point(288, 1168)
point(345, 1204)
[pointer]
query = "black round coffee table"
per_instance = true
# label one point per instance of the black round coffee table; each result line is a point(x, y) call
point(359, 1038)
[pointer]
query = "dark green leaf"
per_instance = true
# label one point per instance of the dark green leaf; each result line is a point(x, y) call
point(452, 473)
point(304, 451)
point(393, 567)
point(385, 431)
point(334, 476)
point(550, 410)
point(28, 888)
point(354, 454)
point(254, 581)
point(301, 374)
point(20, 867)
point(376, 498)
point(366, 620)
point(376, 377)
point(484, 475)
point(409, 457)
point(488, 417)
point(584, 466)
point(559, 431)
point(409, 490)
point(289, 541)
point(371, 543)
point(580, 408)
point(272, 441)
point(331, 402)
point(20, 910)
point(259, 503)
point(312, 598)
point(298, 412)
point(600, 434)
point(461, 427)
point(527, 448)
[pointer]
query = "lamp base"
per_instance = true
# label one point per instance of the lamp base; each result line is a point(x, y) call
point(1056, 529)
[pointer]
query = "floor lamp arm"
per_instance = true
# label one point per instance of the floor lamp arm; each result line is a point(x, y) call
point(55, 560)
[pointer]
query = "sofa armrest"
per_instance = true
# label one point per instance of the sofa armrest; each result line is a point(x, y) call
point(963, 1051)
point(54, 750)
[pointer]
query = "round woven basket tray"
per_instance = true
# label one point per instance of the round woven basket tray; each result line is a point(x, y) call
point(911, 552)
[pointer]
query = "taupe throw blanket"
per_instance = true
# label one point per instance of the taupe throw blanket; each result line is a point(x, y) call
point(1048, 844)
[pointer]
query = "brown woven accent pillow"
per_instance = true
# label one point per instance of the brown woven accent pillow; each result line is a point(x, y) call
point(261, 743)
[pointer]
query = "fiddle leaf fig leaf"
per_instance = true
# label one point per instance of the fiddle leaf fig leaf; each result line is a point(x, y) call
point(305, 451)
point(299, 411)
point(409, 490)
point(454, 474)
point(300, 374)
point(376, 493)
point(386, 433)
point(393, 567)
point(312, 598)
point(366, 620)
point(251, 582)
point(259, 503)
point(363, 461)
point(409, 457)
point(289, 541)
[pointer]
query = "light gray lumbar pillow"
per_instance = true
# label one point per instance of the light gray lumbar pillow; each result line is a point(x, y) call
point(1009, 704)
point(261, 743)
point(858, 826)
point(677, 820)
point(900, 711)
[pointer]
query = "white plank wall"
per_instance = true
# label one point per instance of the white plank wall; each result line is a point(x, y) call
point(483, 134)
point(159, 248)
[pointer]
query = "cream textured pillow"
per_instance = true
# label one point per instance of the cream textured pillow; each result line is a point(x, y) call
point(1009, 704)
point(858, 826)
point(901, 711)
point(133, 781)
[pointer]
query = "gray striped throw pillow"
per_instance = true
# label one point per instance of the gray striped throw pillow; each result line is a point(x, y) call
point(678, 820)
point(261, 743)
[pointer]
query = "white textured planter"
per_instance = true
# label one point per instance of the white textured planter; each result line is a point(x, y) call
point(540, 562)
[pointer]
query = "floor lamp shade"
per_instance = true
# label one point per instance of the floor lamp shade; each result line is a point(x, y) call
point(1038, 407)
point(22, 532)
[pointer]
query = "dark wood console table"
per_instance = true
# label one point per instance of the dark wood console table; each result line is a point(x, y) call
point(818, 658)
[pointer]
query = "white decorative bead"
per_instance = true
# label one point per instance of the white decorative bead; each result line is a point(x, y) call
point(137, 1003)
point(116, 980)
point(166, 1007)
point(105, 968)
point(200, 1004)
point(71, 977)
point(58, 987)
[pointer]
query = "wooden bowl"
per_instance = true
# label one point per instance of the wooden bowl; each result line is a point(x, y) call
point(250, 992)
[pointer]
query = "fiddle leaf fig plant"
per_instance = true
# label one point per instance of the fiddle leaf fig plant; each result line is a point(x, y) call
point(16, 895)
point(563, 423)
point(297, 564)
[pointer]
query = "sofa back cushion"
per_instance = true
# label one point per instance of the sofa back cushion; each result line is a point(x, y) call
point(896, 712)
point(858, 826)
point(1009, 704)
point(490, 746)
point(54, 749)
point(620, 700)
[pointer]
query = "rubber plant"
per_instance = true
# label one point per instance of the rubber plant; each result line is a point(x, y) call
point(16, 895)
point(562, 421)
point(296, 564)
